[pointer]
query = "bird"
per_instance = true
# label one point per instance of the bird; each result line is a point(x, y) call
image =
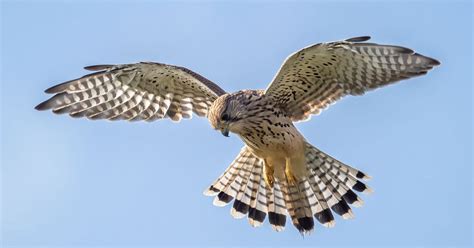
point(277, 173)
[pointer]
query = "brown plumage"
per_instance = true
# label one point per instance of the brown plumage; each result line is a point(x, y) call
point(277, 171)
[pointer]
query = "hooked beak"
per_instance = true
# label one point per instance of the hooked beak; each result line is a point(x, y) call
point(225, 132)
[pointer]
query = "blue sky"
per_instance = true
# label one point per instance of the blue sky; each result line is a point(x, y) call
point(69, 182)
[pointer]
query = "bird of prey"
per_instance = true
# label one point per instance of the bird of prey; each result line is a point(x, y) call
point(277, 172)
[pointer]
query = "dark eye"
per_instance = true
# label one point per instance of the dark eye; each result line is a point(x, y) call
point(225, 117)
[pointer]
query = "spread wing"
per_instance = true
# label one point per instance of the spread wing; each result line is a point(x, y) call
point(316, 76)
point(142, 91)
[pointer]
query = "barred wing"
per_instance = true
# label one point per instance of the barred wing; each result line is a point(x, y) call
point(316, 76)
point(142, 91)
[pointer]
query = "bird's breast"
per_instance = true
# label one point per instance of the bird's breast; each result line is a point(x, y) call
point(272, 135)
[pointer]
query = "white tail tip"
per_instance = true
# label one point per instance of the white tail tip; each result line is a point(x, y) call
point(330, 224)
point(235, 214)
point(218, 203)
point(348, 215)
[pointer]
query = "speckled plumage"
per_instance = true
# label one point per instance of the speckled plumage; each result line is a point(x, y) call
point(277, 171)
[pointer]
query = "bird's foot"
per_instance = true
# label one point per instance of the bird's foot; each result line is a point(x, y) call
point(268, 175)
point(290, 177)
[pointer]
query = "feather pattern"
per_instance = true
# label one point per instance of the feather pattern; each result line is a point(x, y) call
point(319, 75)
point(142, 91)
point(327, 188)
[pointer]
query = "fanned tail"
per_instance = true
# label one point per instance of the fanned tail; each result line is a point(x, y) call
point(333, 182)
point(328, 187)
point(243, 181)
point(297, 201)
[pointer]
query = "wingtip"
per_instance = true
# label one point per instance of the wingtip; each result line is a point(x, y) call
point(60, 88)
point(38, 107)
point(433, 62)
point(358, 39)
point(55, 89)
point(430, 61)
point(42, 106)
point(97, 67)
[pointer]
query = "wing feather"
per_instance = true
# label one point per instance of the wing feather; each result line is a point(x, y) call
point(319, 75)
point(142, 91)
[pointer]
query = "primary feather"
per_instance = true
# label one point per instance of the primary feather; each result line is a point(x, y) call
point(318, 75)
point(142, 91)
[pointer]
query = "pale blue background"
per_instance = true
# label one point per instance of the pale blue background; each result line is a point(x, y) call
point(69, 182)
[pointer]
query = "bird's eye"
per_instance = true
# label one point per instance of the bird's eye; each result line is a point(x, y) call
point(225, 117)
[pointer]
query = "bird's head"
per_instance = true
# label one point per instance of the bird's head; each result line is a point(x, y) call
point(225, 114)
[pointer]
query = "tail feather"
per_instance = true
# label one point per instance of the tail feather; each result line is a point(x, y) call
point(240, 209)
point(308, 194)
point(305, 215)
point(276, 208)
point(255, 216)
point(347, 194)
point(328, 187)
point(298, 207)
point(234, 186)
point(220, 183)
point(262, 199)
point(234, 182)
point(350, 181)
point(259, 208)
point(343, 173)
point(221, 187)
point(341, 167)
point(323, 213)
point(327, 194)
point(338, 204)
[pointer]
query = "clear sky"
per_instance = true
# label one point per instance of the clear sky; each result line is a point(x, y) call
point(74, 182)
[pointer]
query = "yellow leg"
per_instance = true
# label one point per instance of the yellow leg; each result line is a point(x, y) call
point(268, 174)
point(289, 175)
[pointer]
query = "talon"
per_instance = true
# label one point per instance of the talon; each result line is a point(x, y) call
point(268, 175)
point(289, 175)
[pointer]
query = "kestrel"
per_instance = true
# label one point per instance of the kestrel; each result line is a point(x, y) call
point(277, 172)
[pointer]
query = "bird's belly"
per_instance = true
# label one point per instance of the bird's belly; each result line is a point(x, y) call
point(278, 146)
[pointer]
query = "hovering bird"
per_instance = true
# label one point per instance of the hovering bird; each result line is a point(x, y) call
point(277, 172)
